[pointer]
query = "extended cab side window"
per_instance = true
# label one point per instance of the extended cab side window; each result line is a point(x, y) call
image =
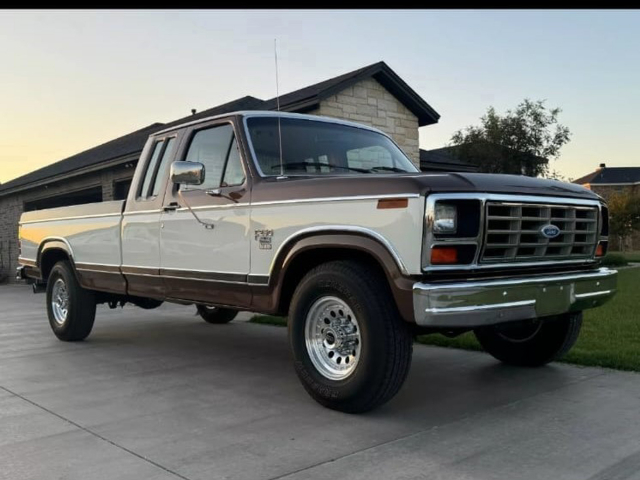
point(163, 167)
point(153, 162)
point(217, 149)
point(156, 169)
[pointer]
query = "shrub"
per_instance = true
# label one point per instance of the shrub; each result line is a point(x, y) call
point(614, 260)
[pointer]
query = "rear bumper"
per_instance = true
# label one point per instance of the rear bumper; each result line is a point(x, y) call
point(28, 273)
point(20, 273)
point(474, 304)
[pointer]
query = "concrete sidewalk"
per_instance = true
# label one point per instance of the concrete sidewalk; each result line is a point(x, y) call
point(163, 395)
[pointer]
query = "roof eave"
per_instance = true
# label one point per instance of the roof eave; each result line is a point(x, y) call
point(615, 184)
point(426, 114)
point(129, 157)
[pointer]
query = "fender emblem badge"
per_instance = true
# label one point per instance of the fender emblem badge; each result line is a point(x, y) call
point(264, 237)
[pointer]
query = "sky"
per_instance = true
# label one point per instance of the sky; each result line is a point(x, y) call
point(70, 80)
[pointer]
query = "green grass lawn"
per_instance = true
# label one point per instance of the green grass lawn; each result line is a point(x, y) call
point(610, 334)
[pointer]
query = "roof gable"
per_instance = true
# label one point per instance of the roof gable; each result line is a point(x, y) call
point(308, 97)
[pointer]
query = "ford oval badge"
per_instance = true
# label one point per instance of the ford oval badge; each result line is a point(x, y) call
point(550, 231)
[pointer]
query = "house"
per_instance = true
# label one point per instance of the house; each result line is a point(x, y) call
point(607, 180)
point(373, 95)
point(444, 160)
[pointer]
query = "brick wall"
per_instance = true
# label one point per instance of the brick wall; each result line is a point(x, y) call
point(607, 190)
point(10, 211)
point(370, 103)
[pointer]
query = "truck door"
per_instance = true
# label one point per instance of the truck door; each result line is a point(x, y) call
point(141, 219)
point(208, 263)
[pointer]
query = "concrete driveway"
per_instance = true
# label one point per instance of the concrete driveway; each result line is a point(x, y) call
point(163, 395)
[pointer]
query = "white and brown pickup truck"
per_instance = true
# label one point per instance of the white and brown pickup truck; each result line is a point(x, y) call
point(329, 223)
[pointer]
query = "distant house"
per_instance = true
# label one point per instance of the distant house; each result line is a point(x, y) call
point(607, 180)
point(444, 160)
point(450, 158)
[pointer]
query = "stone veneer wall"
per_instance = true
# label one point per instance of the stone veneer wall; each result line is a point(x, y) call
point(370, 103)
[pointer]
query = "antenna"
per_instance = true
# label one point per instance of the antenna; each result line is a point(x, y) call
point(275, 53)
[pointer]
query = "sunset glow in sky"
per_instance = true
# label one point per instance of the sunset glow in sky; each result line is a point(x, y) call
point(71, 80)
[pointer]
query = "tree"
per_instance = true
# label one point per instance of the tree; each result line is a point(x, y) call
point(624, 213)
point(522, 141)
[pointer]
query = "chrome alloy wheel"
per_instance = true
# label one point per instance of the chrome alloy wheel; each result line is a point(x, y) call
point(60, 301)
point(332, 337)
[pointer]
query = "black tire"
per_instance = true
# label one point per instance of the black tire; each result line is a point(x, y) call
point(386, 342)
point(76, 325)
point(533, 343)
point(216, 314)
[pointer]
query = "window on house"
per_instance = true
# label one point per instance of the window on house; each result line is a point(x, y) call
point(78, 197)
point(121, 189)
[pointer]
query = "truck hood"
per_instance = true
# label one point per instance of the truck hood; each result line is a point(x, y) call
point(499, 183)
point(307, 187)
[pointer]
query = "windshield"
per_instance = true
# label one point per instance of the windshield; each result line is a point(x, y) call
point(316, 148)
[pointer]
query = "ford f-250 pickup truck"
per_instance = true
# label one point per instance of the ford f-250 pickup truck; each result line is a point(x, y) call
point(329, 223)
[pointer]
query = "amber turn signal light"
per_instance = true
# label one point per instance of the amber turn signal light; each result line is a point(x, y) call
point(392, 203)
point(600, 250)
point(444, 255)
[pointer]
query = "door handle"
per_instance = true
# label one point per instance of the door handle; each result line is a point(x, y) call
point(217, 192)
point(173, 206)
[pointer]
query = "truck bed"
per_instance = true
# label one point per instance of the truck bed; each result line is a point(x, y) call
point(91, 231)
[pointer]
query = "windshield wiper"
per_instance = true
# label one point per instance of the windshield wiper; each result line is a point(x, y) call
point(388, 169)
point(320, 164)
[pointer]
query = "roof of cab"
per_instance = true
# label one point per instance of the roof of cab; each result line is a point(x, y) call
point(268, 113)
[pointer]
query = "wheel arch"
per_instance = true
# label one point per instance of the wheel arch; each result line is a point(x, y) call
point(51, 251)
point(304, 252)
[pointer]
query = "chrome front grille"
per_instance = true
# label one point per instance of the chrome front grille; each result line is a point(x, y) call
point(513, 232)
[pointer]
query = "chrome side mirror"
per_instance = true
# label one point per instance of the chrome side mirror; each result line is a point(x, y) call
point(187, 173)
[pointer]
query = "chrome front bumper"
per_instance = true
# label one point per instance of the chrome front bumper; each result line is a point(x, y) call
point(487, 302)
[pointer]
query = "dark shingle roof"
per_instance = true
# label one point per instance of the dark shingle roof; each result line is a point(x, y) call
point(121, 146)
point(129, 144)
point(611, 175)
point(309, 97)
point(444, 159)
point(297, 101)
point(244, 103)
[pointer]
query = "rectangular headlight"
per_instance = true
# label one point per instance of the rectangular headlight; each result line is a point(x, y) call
point(445, 218)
